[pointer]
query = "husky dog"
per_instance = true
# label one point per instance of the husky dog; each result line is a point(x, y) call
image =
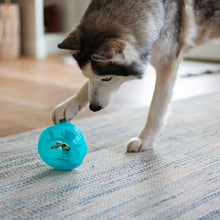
point(116, 39)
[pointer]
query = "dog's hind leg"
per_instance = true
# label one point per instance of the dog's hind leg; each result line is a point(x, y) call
point(166, 77)
point(68, 109)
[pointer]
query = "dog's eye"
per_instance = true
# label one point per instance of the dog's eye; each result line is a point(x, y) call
point(107, 79)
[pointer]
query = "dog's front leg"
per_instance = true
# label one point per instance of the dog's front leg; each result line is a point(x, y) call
point(165, 81)
point(67, 110)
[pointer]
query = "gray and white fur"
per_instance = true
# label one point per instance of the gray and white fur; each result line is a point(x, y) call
point(115, 41)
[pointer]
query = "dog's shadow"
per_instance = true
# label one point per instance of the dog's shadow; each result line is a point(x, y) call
point(153, 170)
point(49, 174)
point(149, 168)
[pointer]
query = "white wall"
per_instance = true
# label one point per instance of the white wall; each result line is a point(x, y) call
point(32, 36)
point(34, 41)
point(209, 51)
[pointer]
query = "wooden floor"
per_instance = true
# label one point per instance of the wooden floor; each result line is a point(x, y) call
point(30, 88)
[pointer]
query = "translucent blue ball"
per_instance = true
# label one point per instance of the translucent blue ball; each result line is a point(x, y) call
point(62, 146)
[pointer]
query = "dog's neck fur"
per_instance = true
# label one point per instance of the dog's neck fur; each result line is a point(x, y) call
point(191, 25)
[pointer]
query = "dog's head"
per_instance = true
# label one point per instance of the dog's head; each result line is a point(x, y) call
point(112, 44)
point(107, 59)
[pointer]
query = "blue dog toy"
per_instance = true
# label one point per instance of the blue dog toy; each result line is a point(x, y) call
point(62, 146)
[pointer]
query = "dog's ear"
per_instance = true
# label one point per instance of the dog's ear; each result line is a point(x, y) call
point(110, 51)
point(72, 42)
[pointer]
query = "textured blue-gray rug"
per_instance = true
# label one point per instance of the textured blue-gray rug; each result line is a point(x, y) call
point(178, 179)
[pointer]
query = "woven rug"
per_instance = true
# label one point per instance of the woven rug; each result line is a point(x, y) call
point(178, 179)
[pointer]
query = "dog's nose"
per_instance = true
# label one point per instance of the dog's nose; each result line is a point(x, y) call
point(95, 108)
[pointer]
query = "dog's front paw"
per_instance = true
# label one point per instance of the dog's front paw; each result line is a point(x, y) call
point(65, 111)
point(137, 145)
point(134, 145)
